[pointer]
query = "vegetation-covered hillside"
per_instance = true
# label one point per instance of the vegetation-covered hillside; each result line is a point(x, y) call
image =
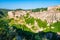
point(39, 9)
point(27, 28)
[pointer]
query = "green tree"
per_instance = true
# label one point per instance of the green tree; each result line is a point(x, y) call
point(41, 23)
point(56, 26)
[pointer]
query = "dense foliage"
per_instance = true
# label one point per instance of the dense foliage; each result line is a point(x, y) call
point(56, 26)
point(39, 9)
point(41, 23)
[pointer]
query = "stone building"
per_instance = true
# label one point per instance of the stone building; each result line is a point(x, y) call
point(53, 7)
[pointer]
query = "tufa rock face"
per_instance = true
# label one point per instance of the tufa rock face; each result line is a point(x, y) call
point(51, 15)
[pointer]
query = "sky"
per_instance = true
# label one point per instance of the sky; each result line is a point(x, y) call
point(27, 4)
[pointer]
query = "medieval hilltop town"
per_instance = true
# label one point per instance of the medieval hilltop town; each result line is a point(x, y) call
point(51, 15)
